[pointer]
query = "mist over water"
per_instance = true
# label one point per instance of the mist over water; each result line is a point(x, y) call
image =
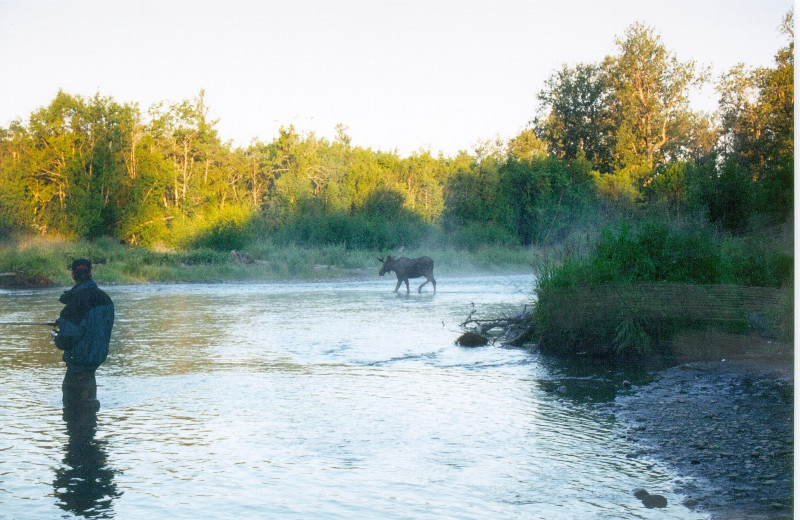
point(311, 400)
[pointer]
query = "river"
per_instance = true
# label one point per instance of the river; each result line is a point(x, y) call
point(324, 400)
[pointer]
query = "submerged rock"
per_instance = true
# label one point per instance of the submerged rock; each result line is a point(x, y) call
point(649, 501)
point(691, 503)
point(472, 339)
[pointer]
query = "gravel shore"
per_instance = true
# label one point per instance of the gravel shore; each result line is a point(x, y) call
point(726, 424)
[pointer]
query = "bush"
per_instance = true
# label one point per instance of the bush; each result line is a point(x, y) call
point(475, 235)
point(751, 262)
point(204, 257)
point(655, 252)
point(226, 230)
point(37, 264)
point(629, 292)
point(358, 231)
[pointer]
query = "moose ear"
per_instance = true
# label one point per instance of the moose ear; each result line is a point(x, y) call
point(380, 260)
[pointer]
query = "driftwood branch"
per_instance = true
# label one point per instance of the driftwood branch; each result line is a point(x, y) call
point(507, 330)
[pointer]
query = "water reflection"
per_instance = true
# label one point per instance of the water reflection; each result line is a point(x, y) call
point(311, 401)
point(584, 380)
point(84, 484)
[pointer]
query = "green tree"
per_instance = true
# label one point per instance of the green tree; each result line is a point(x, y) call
point(187, 137)
point(575, 115)
point(16, 211)
point(295, 171)
point(650, 89)
point(526, 145)
point(63, 170)
point(422, 180)
point(466, 191)
point(757, 113)
point(541, 199)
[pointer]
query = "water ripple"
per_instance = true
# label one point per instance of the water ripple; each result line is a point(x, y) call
point(335, 400)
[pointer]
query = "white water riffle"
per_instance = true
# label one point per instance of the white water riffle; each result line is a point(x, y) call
point(335, 400)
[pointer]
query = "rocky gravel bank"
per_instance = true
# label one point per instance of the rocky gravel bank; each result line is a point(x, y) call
point(728, 425)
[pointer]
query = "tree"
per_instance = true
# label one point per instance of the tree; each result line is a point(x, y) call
point(293, 164)
point(188, 139)
point(757, 113)
point(63, 170)
point(575, 115)
point(422, 179)
point(540, 199)
point(465, 200)
point(526, 145)
point(650, 100)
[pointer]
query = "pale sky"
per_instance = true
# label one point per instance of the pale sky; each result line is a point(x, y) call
point(438, 75)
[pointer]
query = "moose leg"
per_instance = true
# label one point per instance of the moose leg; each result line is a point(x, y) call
point(420, 286)
point(430, 279)
point(396, 287)
point(407, 289)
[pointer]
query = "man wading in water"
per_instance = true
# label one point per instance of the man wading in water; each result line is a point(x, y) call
point(84, 331)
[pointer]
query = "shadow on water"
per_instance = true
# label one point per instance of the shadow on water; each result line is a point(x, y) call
point(589, 380)
point(84, 484)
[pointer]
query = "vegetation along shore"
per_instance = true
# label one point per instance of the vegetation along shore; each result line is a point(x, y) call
point(36, 262)
point(655, 232)
point(628, 203)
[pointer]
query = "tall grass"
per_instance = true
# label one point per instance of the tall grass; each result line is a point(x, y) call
point(36, 262)
point(44, 262)
point(596, 301)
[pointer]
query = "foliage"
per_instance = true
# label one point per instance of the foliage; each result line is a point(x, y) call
point(757, 112)
point(628, 115)
point(650, 90)
point(543, 198)
point(575, 115)
point(751, 261)
point(653, 251)
point(227, 229)
point(616, 138)
point(475, 235)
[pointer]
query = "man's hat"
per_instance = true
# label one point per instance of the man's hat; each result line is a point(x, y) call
point(81, 265)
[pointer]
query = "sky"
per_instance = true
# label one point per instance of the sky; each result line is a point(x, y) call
point(405, 76)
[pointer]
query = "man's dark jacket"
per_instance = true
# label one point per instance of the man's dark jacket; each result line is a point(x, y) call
point(85, 326)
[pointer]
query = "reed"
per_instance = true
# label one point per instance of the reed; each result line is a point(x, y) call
point(43, 262)
point(640, 283)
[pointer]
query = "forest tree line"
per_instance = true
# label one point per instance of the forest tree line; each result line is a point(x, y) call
point(613, 137)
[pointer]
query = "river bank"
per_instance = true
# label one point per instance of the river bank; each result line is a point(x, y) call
point(727, 426)
point(38, 262)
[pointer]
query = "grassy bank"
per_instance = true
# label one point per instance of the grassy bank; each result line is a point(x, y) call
point(39, 262)
point(638, 285)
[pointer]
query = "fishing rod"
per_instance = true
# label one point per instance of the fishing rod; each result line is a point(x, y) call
point(34, 323)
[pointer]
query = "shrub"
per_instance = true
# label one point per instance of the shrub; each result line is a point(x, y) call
point(228, 229)
point(475, 235)
point(636, 287)
point(357, 231)
point(37, 265)
point(752, 262)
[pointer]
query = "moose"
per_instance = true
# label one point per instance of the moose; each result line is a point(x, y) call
point(406, 268)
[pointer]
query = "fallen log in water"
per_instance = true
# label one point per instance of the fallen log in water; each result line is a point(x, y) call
point(507, 330)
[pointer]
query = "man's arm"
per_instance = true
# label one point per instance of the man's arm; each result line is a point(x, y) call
point(68, 334)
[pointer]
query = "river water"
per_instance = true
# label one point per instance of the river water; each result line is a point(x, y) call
point(325, 400)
